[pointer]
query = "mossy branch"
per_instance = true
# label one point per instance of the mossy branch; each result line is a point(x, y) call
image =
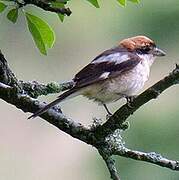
point(106, 137)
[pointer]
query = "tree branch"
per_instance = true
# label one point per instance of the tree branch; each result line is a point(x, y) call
point(35, 89)
point(53, 116)
point(6, 75)
point(151, 157)
point(11, 90)
point(110, 163)
point(46, 5)
point(106, 138)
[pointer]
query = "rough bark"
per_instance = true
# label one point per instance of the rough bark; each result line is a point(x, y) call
point(106, 137)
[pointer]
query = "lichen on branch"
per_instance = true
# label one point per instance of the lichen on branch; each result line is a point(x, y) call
point(106, 138)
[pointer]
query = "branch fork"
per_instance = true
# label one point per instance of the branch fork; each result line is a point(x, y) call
point(106, 137)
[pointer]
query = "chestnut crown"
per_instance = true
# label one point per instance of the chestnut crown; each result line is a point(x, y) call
point(142, 45)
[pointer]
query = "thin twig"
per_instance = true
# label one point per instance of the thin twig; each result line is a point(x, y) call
point(2, 85)
point(110, 163)
point(151, 157)
point(45, 5)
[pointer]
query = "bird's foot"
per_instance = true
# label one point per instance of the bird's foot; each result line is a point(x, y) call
point(96, 123)
point(108, 116)
point(125, 125)
point(130, 100)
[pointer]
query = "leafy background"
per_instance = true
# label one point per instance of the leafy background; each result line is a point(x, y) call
point(36, 150)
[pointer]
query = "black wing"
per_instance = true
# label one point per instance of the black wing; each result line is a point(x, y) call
point(113, 64)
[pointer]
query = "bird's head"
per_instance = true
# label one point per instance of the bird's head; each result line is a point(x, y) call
point(141, 45)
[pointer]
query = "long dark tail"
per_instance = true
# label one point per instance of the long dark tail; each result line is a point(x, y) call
point(53, 103)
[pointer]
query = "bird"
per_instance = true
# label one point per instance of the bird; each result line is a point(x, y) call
point(119, 72)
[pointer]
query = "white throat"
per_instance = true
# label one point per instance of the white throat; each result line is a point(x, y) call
point(148, 58)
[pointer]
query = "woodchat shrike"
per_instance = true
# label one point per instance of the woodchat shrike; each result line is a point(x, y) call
point(115, 73)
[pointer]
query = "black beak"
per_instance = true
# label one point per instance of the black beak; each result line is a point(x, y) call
point(158, 52)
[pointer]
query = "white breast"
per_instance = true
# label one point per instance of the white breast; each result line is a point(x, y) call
point(133, 81)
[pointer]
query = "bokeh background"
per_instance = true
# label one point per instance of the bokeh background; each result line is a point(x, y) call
point(34, 149)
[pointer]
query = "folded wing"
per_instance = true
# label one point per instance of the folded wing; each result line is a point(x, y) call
point(109, 64)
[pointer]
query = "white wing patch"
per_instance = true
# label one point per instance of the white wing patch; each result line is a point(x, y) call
point(104, 75)
point(116, 57)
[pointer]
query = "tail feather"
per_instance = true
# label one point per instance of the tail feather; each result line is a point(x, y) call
point(53, 103)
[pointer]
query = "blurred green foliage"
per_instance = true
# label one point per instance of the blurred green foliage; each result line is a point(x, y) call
point(41, 31)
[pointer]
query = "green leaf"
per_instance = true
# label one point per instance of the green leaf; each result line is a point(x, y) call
point(94, 3)
point(135, 1)
point(37, 37)
point(13, 15)
point(57, 4)
point(2, 7)
point(42, 33)
point(61, 17)
point(122, 2)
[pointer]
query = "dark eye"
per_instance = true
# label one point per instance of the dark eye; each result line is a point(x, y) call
point(145, 49)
